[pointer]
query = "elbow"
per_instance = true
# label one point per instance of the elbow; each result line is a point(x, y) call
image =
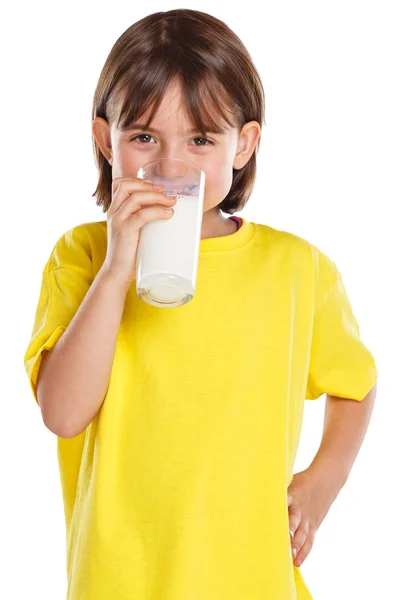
point(60, 432)
point(53, 422)
point(57, 422)
point(59, 425)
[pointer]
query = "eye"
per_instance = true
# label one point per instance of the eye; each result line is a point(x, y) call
point(206, 139)
point(140, 136)
point(146, 135)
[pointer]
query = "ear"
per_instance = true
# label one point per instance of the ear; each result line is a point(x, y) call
point(102, 135)
point(248, 139)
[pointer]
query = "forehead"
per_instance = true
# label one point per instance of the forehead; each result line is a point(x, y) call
point(173, 105)
point(172, 111)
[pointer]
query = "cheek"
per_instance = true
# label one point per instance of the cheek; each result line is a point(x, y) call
point(128, 164)
point(218, 182)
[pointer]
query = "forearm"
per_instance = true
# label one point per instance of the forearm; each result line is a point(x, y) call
point(74, 375)
point(345, 425)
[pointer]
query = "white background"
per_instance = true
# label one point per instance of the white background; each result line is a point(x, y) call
point(328, 170)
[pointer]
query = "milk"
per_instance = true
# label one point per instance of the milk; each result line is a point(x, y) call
point(167, 255)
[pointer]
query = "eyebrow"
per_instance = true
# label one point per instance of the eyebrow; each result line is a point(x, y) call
point(142, 127)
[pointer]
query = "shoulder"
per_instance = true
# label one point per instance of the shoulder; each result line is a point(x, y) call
point(285, 243)
point(305, 256)
point(74, 248)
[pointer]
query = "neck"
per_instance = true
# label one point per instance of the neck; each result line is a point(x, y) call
point(216, 225)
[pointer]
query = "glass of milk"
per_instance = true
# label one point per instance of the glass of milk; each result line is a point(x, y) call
point(168, 249)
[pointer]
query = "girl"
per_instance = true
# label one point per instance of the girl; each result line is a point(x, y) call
point(177, 430)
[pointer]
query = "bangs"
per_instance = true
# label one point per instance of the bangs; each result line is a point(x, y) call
point(134, 97)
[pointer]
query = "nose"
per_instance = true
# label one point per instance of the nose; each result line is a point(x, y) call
point(177, 175)
point(170, 168)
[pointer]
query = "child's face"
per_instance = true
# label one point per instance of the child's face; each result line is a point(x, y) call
point(174, 140)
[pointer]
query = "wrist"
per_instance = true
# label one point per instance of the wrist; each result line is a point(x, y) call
point(327, 474)
point(110, 278)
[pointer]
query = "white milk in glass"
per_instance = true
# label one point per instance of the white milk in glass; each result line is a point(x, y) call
point(167, 255)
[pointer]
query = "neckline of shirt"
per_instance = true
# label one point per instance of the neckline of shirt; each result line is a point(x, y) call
point(234, 240)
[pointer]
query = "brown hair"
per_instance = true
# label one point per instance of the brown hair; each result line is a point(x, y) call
point(208, 59)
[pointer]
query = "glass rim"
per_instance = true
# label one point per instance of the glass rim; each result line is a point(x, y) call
point(173, 159)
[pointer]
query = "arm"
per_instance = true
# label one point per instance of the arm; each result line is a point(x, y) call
point(74, 376)
point(345, 425)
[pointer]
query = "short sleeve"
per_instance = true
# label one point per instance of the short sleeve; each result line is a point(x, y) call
point(340, 363)
point(66, 278)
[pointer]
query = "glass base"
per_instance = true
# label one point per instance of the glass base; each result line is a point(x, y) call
point(166, 291)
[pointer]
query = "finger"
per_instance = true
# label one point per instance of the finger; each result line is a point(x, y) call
point(294, 521)
point(147, 215)
point(300, 537)
point(289, 499)
point(117, 180)
point(141, 200)
point(305, 549)
point(123, 187)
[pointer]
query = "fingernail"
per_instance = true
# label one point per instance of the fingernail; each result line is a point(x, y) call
point(291, 533)
point(294, 550)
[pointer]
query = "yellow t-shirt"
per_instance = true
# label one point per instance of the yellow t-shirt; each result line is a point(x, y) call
point(178, 487)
